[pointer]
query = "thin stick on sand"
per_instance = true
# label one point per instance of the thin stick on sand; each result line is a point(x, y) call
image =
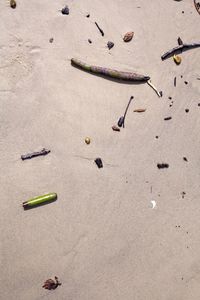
point(179, 48)
point(154, 88)
point(129, 76)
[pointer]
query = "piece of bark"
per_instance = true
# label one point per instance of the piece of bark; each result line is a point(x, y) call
point(35, 154)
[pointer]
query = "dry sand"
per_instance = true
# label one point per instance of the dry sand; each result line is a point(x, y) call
point(101, 238)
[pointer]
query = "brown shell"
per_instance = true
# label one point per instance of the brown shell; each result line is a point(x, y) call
point(128, 36)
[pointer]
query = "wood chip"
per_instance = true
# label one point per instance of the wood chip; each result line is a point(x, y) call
point(140, 110)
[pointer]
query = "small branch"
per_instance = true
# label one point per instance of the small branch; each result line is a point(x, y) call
point(179, 48)
point(34, 154)
point(101, 31)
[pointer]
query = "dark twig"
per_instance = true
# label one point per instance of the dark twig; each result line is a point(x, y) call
point(122, 119)
point(34, 154)
point(102, 33)
point(179, 48)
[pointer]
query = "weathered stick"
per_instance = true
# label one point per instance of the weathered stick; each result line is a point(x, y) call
point(179, 48)
point(129, 76)
point(34, 154)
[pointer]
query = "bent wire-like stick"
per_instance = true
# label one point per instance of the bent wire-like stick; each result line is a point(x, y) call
point(129, 76)
point(181, 47)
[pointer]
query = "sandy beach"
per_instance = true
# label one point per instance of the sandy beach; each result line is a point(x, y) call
point(102, 237)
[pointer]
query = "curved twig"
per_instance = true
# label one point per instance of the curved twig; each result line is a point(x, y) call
point(182, 47)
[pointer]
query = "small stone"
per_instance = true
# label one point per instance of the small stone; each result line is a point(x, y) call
point(88, 15)
point(185, 158)
point(98, 162)
point(186, 82)
point(170, 98)
point(110, 45)
point(186, 110)
point(128, 36)
point(87, 140)
point(157, 136)
point(65, 10)
point(51, 40)
point(89, 41)
point(167, 118)
point(198, 104)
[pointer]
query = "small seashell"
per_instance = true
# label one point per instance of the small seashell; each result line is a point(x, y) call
point(13, 3)
point(140, 110)
point(128, 36)
point(177, 59)
point(115, 128)
point(87, 140)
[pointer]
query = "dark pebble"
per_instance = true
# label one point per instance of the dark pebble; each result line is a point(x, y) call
point(89, 41)
point(88, 15)
point(185, 158)
point(157, 136)
point(182, 11)
point(51, 40)
point(110, 45)
point(99, 163)
point(161, 93)
point(185, 82)
point(167, 118)
point(186, 110)
point(162, 166)
point(170, 98)
point(65, 10)
point(198, 104)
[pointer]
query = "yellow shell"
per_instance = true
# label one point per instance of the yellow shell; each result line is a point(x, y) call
point(177, 59)
point(87, 140)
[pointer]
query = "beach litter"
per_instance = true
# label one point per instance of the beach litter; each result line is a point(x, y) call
point(162, 165)
point(65, 10)
point(179, 48)
point(115, 128)
point(129, 76)
point(110, 45)
point(39, 200)
point(154, 88)
point(121, 120)
point(177, 59)
point(153, 202)
point(99, 162)
point(87, 140)
point(197, 6)
point(13, 3)
point(100, 30)
point(51, 284)
point(128, 36)
point(35, 154)
point(139, 110)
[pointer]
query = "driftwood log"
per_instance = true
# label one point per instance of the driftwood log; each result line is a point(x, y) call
point(129, 76)
point(179, 49)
